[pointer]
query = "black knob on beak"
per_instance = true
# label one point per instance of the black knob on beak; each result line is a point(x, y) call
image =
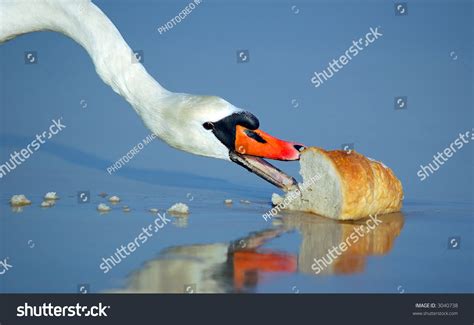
point(299, 147)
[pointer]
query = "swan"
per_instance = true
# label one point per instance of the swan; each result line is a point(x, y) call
point(202, 125)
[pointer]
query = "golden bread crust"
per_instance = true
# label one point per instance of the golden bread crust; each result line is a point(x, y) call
point(368, 186)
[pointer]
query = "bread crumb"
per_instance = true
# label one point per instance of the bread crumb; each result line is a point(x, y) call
point(103, 194)
point(153, 210)
point(228, 201)
point(276, 199)
point(126, 208)
point(179, 208)
point(114, 199)
point(51, 196)
point(47, 204)
point(245, 201)
point(103, 207)
point(19, 200)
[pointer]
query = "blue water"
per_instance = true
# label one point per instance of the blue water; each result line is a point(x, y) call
point(221, 248)
point(425, 56)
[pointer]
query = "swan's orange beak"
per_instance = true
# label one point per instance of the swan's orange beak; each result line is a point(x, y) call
point(260, 144)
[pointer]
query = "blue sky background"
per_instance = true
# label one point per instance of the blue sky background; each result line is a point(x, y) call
point(413, 58)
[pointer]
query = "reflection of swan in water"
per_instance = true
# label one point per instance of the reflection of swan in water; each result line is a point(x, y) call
point(239, 266)
point(219, 267)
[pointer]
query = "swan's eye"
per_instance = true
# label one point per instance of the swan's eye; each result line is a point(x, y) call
point(208, 125)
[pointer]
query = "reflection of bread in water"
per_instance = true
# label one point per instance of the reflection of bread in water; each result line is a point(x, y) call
point(321, 234)
point(378, 241)
point(344, 185)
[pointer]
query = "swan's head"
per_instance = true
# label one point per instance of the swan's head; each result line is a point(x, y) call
point(210, 126)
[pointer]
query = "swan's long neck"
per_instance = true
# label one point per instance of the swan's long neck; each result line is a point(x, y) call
point(85, 23)
point(175, 118)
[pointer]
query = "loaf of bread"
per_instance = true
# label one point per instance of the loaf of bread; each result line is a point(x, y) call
point(343, 185)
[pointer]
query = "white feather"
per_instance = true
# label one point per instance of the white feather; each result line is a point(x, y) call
point(174, 117)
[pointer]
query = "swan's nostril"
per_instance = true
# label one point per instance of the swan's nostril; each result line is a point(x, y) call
point(208, 125)
point(299, 147)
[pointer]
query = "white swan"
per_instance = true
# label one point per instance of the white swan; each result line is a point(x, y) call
point(202, 125)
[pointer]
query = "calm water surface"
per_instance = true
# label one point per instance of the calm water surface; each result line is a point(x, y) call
point(229, 248)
